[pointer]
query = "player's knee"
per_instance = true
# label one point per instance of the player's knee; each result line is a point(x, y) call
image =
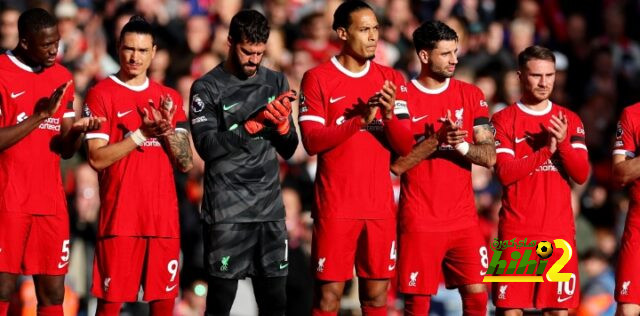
point(328, 298)
point(50, 293)
point(374, 296)
point(7, 285)
point(6, 289)
point(52, 296)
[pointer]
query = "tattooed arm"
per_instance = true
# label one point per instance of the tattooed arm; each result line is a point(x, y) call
point(483, 151)
point(178, 149)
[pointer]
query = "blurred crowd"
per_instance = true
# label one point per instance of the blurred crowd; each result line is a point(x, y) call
point(598, 65)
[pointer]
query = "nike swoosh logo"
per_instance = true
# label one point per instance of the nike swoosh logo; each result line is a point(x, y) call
point(562, 299)
point(228, 107)
point(169, 289)
point(123, 113)
point(15, 95)
point(483, 272)
point(283, 265)
point(391, 267)
point(520, 140)
point(62, 264)
point(415, 119)
point(332, 100)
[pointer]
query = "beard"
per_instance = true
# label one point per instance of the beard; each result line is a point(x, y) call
point(243, 68)
point(441, 74)
point(249, 71)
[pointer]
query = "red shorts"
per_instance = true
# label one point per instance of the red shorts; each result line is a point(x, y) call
point(540, 295)
point(627, 276)
point(337, 243)
point(423, 256)
point(34, 244)
point(121, 263)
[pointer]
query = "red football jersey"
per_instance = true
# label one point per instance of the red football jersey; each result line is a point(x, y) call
point(627, 143)
point(353, 178)
point(137, 192)
point(436, 194)
point(538, 201)
point(30, 179)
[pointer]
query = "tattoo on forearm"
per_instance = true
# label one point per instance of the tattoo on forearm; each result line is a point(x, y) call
point(483, 152)
point(180, 150)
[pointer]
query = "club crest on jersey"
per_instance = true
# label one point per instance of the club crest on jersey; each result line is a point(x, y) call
point(196, 104)
point(458, 114)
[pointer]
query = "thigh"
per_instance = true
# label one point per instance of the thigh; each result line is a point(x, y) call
point(229, 249)
point(272, 258)
point(334, 248)
point(420, 256)
point(161, 275)
point(467, 259)
point(117, 268)
point(13, 240)
point(376, 254)
point(48, 249)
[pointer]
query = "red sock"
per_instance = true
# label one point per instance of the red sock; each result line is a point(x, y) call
point(108, 308)
point(162, 307)
point(4, 308)
point(51, 310)
point(417, 305)
point(475, 303)
point(319, 312)
point(374, 311)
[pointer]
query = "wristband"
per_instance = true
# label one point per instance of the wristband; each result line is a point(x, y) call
point(463, 148)
point(138, 137)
